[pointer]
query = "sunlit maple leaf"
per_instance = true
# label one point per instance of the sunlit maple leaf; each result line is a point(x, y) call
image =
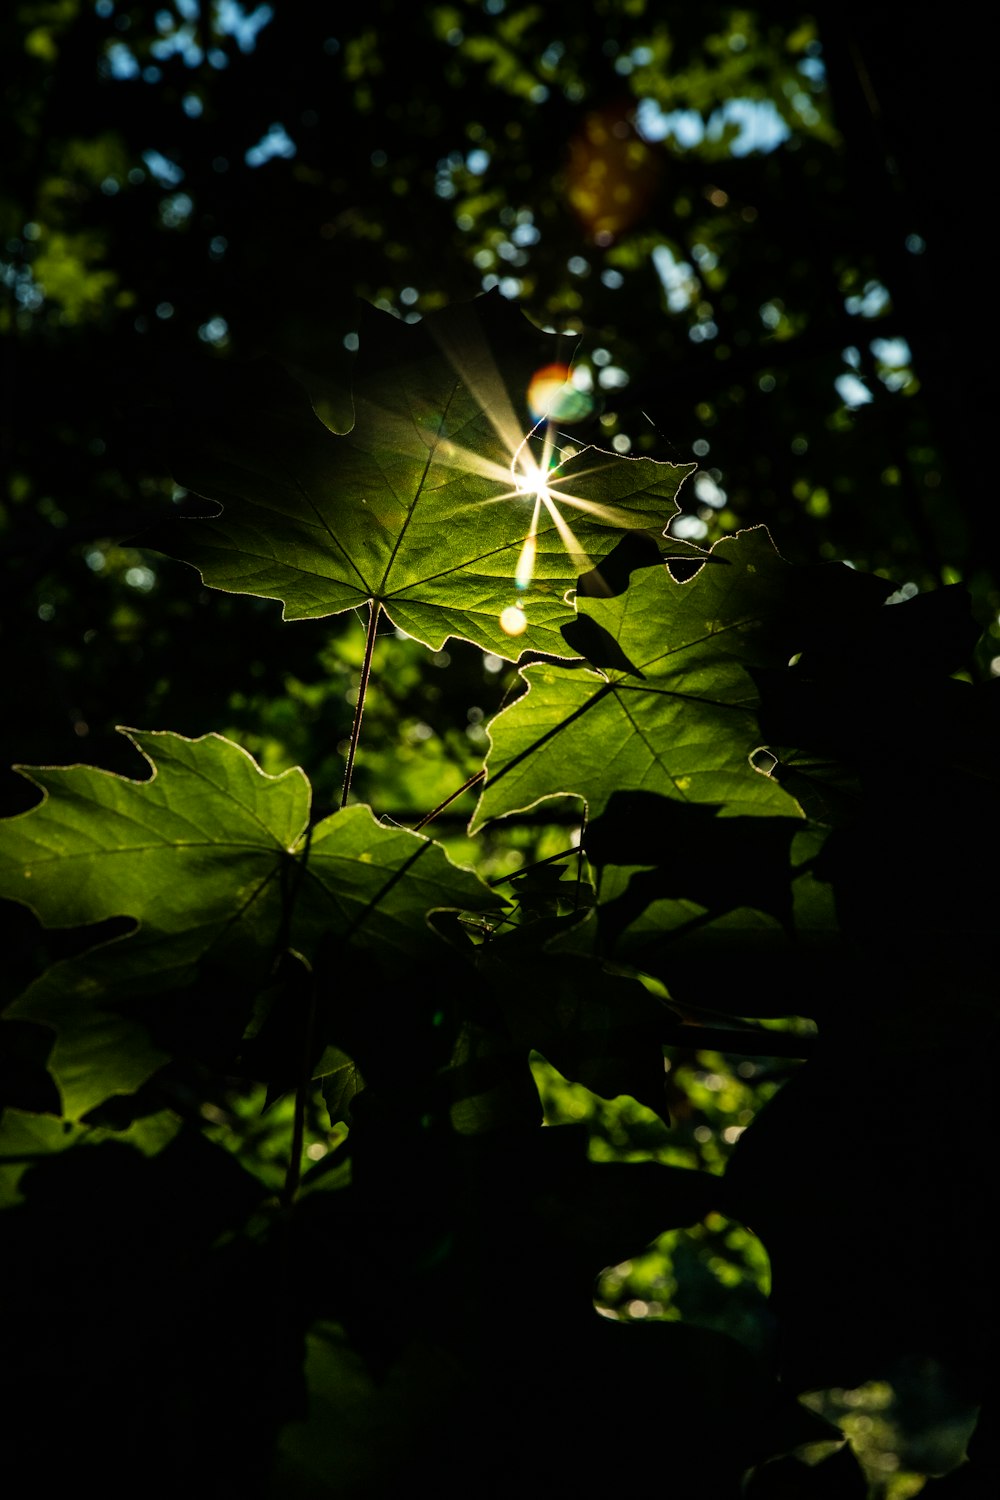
point(450, 503)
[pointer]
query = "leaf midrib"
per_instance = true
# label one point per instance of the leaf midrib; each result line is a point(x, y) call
point(128, 849)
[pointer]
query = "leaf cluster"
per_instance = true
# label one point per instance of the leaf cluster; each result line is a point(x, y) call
point(773, 775)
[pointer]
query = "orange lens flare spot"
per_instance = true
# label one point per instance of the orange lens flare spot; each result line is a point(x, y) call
point(612, 174)
point(552, 395)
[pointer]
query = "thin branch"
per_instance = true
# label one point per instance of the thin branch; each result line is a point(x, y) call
point(525, 869)
point(580, 856)
point(466, 786)
point(294, 1173)
point(374, 610)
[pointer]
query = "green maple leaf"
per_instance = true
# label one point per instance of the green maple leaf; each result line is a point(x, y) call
point(669, 706)
point(216, 863)
point(371, 887)
point(417, 508)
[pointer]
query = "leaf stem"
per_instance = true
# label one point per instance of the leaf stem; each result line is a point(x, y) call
point(374, 610)
point(466, 786)
point(536, 865)
point(294, 1173)
point(580, 856)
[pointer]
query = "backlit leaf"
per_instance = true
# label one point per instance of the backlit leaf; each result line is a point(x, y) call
point(215, 862)
point(426, 504)
point(680, 721)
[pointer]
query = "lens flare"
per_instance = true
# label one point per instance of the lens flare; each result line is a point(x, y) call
point(526, 562)
point(540, 471)
point(552, 396)
point(513, 620)
point(612, 174)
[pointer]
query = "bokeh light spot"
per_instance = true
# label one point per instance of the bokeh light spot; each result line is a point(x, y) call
point(513, 620)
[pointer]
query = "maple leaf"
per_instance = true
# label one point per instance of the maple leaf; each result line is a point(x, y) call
point(670, 706)
point(216, 863)
point(447, 503)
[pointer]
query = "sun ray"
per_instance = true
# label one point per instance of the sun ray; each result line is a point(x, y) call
point(578, 556)
point(529, 475)
point(475, 366)
point(548, 447)
point(453, 456)
point(526, 464)
point(526, 562)
point(533, 476)
point(609, 513)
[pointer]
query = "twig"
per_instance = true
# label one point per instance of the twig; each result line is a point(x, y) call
point(466, 786)
point(294, 1173)
point(525, 869)
point(374, 610)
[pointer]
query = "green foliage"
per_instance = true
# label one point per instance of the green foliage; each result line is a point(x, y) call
point(670, 710)
point(220, 869)
point(425, 506)
point(489, 1096)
